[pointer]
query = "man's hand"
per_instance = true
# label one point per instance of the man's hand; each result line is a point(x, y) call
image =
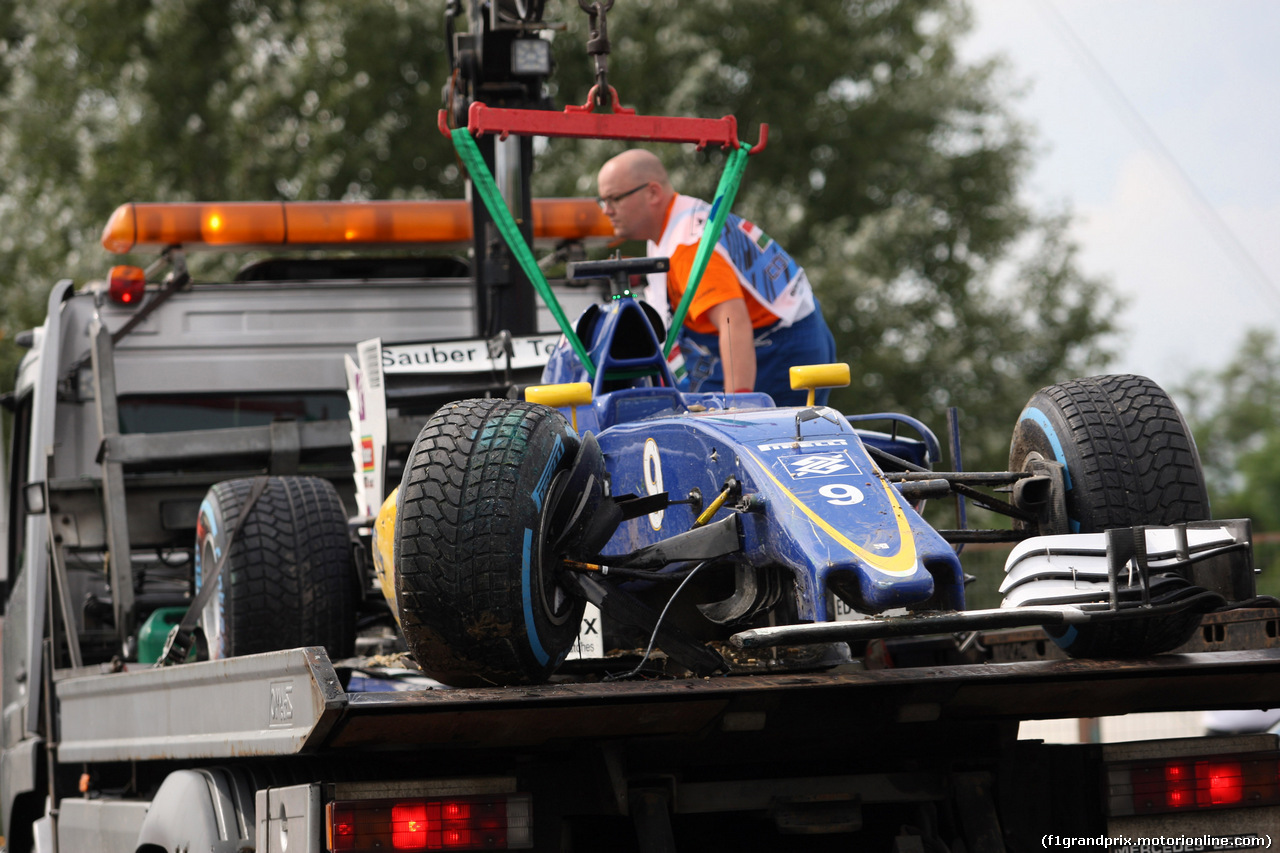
point(737, 344)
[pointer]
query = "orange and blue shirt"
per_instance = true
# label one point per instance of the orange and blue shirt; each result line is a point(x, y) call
point(746, 263)
point(788, 327)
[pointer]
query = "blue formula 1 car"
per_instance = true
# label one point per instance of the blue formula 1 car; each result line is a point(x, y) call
point(714, 525)
point(722, 528)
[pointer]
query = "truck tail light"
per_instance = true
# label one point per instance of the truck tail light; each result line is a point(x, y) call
point(126, 285)
point(1193, 784)
point(501, 822)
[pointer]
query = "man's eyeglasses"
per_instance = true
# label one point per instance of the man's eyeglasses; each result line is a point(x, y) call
point(606, 200)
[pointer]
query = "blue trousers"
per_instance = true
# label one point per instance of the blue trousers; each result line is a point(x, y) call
point(777, 350)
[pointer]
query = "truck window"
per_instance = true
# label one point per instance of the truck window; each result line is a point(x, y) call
point(185, 412)
point(19, 456)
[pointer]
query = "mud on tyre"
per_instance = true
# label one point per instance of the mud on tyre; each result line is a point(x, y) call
point(475, 581)
point(1130, 460)
point(289, 580)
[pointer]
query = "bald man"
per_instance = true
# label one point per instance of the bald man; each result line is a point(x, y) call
point(753, 316)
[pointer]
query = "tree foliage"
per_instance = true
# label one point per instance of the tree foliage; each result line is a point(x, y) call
point(891, 173)
point(1232, 413)
point(204, 100)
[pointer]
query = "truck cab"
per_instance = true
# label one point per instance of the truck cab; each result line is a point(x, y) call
point(141, 391)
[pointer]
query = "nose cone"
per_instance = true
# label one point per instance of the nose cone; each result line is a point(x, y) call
point(876, 592)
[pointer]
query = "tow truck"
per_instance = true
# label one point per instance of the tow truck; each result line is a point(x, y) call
point(201, 652)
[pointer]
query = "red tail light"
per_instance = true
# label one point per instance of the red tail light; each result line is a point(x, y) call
point(127, 285)
point(458, 823)
point(409, 826)
point(1226, 782)
point(1192, 784)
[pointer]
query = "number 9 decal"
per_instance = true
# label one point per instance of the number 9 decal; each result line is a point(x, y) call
point(653, 479)
point(841, 494)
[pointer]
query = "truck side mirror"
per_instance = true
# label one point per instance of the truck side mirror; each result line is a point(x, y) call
point(33, 498)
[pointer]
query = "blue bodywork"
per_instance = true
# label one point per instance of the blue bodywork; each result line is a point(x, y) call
point(816, 502)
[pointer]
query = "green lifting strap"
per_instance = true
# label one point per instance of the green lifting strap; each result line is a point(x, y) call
point(484, 185)
point(725, 194)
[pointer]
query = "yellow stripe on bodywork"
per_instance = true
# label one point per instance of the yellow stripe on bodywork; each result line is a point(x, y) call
point(901, 563)
point(384, 537)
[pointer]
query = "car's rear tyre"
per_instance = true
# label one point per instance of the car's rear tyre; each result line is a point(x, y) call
point(1130, 460)
point(476, 583)
point(289, 579)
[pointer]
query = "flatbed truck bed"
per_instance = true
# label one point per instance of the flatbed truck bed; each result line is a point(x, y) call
point(772, 760)
point(292, 702)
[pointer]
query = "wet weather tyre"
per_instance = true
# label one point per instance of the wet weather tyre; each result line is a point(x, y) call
point(289, 580)
point(476, 584)
point(1130, 460)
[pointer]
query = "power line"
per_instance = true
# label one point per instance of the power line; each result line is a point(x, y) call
point(1147, 136)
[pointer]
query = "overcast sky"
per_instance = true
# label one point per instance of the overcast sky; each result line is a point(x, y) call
point(1159, 125)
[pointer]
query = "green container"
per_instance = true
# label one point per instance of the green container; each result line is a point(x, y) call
point(156, 630)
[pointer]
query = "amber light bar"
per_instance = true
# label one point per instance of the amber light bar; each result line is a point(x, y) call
point(239, 225)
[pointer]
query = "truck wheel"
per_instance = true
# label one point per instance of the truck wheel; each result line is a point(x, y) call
point(1130, 460)
point(475, 583)
point(289, 580)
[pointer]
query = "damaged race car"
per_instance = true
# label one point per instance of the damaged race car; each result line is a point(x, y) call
point(724, 530)
point(703, 523)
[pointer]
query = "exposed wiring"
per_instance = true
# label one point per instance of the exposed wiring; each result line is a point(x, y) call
point(653, 638)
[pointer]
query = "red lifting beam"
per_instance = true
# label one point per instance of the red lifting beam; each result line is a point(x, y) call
point(581, 122)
